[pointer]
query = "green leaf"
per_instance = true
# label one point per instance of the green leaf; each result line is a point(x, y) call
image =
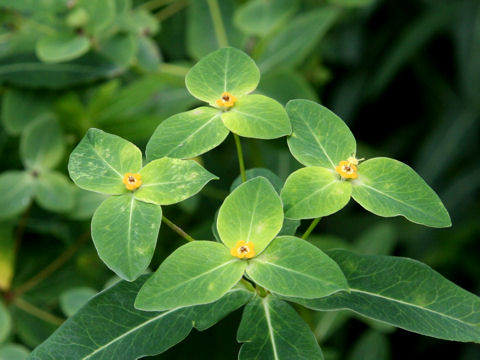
point(62, 47)
point(5, 322)
point(7, 258)
point(54, 192)
point(148, 55)
point(260, 17)
point(42, 145)
point(73, 299)
point(404, 293)
point(100, 161)
point(120, 48)
point(13, 352)
point(168, 181)
point(18, 188)
point(199, 272)
point(257, 116)
point(123, 332)
point(313, 192)
point(100, 14)
point(125, 233)
point(295, 41)
point(319, 138)
point(187, 134)
point(271, 330)
point(273, 178)
point(252, 213)
point(371, 345)
point(353, 3)
point(227, 69)
point(388, 187)
point(86, 202)
point(293, 267)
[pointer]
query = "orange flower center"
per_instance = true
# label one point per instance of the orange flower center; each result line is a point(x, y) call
point(132, 181)
point(243, 250)
point(348, 169)
point(227, 100)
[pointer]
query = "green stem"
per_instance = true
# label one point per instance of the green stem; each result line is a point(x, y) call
point(177, 229)
point(39, 313)
point(241, 163)
point(171, 10)
point(310, 228)
point(218, 23)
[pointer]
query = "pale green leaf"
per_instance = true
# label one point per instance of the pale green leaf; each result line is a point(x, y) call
point(73, 299)
point(257, 116)
point(101, 14)
point(62, 47)
point(388, 187)
point(187, 134)
point(18, 188)
point(125, 231)
point(227, 69)
point(100, 161)
point(148, 54)
point(252, 213)
point(13, 352)
point(168, 181)
point(86, 202)
point(313, 192)
point(54, 192)
point(319, 138)
point(199, 272)
point(119, 48)
point(272, 330)
point(293, 267)
point(7, 258)
point(5, 322)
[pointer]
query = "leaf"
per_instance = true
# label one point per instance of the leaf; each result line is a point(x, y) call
point(252, 213)
point(121, 331)
point(273, 178)
point(42, 145)
point(314, 192)
point(125, 231)
point(168, 181)
point(260, 17)
point(293, 267)
point(353, 3)
point(5, 322)
point(187, 134)
point(101, 14)
point(388, 187)
point(271, 330)
point(227, 69)
point(7, 259)
point(18, 188)
point(75, 298)
point(100, 161)
point(120, 48)
point(296, 40)
point(257, 116)
point(54, 192)
point(319, 138)
point(371, 345)
point(86, 202)
point(148, 54)
point(63, 46)
point(404, 293)
point(199, 272)
point(13, 352)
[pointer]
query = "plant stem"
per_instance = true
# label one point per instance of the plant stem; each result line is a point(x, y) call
point(177, 229)
point(171, 10)
point(241, 163)
point(218, 23)
point(310, 228)
point(39, 313)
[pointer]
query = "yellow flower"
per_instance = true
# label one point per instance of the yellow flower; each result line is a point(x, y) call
point(227, 100)
point(243, 250)
point(132, 181)
point(347, 169)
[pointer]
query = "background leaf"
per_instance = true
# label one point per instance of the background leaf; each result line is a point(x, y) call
point(7, 257)
point(13, 352)
point(62, 47)
point(73, 299)
point(5, 322)
point(20, 187)
point(54, 192)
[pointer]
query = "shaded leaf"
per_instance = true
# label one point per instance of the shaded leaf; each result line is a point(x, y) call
point(73, 299)
point(5, 322)
point(62, 47)
point(54, 192)
point(18, 187)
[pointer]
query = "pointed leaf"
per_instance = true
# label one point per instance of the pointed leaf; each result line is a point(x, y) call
point(18, 188)
point(314, 192)
point(199, 272)
point(293, 267)
point(257, 116)
point(125, 233)
point(404, 293)
point(227, 69)
point(100, 161)
point(271, 330)
point(62, 47)
point(388, 187)
point(188, 134)
point(319, 138)
point(252, 212)
point(168, 181)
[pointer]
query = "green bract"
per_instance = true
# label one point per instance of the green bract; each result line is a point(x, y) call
point(386, 187)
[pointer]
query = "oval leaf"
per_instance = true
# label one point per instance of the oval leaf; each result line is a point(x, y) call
point(18, 191)
point(62, 47)
point(319, 138)
point(314, 192)
point(100, 161)
point(125, 231)
point(199, 272)
point(73, 299)
point(54, 192)
point(388, 187)
point(293, 267)
point(257, 116)
point(227, 69)
point(168, 181)
point(252, 213)
point(13, 352)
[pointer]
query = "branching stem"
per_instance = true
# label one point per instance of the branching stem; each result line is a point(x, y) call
point(177, 229)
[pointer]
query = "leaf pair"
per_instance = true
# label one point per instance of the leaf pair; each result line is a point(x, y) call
point(386, 187)
point(125, 226)
point(195, 132)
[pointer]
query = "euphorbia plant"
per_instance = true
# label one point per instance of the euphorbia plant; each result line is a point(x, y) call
point(203, 281)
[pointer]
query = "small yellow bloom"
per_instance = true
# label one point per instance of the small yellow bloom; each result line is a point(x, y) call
point(227, 100)
point(243, 250)
point(132, 181)
point(347, 169)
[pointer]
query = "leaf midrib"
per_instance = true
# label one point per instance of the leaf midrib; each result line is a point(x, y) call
point(270, 328)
